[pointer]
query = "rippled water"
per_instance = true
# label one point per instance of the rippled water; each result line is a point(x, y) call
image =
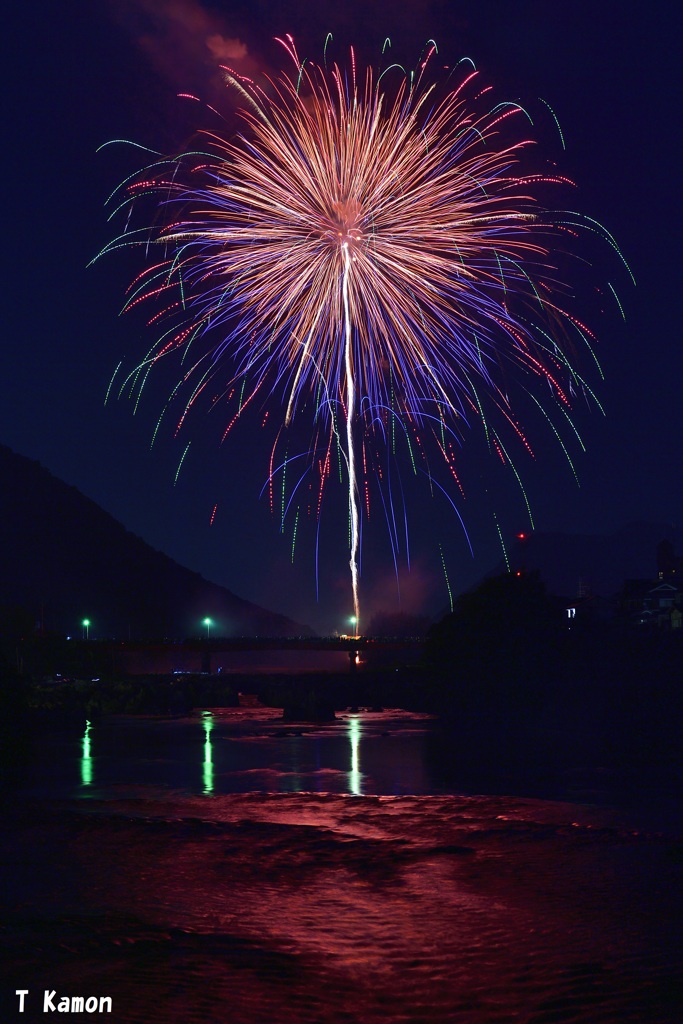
point(235, 750)
point(227, 869)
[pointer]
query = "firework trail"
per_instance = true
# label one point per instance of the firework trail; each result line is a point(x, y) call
point(376, 250)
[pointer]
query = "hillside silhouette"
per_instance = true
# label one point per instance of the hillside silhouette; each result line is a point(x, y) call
point(63, 558)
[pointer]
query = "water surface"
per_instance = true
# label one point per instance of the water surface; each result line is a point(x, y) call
point(234, 750)
point(231, 868)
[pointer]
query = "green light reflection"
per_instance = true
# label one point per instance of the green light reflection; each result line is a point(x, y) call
point(355, 774)
point(292, 779)
point(207, 766)
point(86, 759)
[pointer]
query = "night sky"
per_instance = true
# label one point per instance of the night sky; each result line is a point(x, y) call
point(82, 73)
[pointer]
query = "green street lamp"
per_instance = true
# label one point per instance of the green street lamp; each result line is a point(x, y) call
point(207, 623)
point(86, 628)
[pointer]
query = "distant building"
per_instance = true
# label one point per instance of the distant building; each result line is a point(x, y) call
point(662, 607)
point(656, 604)
point(669, 564)
point(632, 598)
point(588, 608)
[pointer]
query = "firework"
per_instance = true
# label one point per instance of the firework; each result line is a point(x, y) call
point(371, 247)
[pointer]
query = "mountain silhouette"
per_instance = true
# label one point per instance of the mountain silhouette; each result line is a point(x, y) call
point(63, 558)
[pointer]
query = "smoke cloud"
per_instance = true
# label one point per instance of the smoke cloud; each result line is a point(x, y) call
point(185, 42)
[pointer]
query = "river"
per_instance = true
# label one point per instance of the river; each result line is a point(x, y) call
point(227, 867)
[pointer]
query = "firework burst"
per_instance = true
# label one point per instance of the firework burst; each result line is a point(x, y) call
point(373, 249)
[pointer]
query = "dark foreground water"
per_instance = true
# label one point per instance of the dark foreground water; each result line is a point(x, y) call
point(229, 868)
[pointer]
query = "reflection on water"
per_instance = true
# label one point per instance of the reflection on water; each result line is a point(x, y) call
point(355, 774)
point(233, 750)
point(207, 719)
point(317, 874)
point(325, 908)
point(295, 758)
point(86, 759)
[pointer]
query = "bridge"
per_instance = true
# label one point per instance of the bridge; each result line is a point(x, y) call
point(205, 650)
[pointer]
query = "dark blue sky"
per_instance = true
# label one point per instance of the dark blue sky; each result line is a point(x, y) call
point(83, 73)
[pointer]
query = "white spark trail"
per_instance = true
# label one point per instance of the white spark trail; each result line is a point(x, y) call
point(350, 412)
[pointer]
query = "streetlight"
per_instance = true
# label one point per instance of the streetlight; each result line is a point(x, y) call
point(207, 623)
point(86, 628)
